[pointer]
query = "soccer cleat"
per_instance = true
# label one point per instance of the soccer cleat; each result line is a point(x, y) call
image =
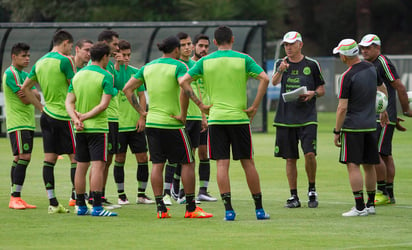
point(197, 213)
point(15, 203)
point(262, 215)
point(182, 201)
point(123, 202)
point(82, 210)
point(72, 203)
point(164, 215)
point(58, 210)
point(381, 199)
point(313, 199)
point(230, 215)
point(391, 200)
point(205, 197)
point(371, 210)
point(355, 212)
point(167, 200)
point(26, 205)
point(292, 202)
point(144, 200)
point(99, 211)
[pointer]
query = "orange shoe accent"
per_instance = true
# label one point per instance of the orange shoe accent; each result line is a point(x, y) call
point(27, 205)
point(198, 213)
point(164, 215)
point(72, 203)
point(15, 203)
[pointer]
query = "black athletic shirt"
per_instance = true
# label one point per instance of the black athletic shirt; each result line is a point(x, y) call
point(304, 73)
point(358, 85)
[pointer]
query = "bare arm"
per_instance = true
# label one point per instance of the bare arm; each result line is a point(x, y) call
point(263, 85)
point(141, 123)
point(277, 76)
point(340, 118)
point(184, 83)
point(128, 90)
point(30, 95)
point(104, 103)
point(403, 97)
point(71, 110)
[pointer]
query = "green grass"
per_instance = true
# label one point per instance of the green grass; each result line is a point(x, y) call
point(137, 226)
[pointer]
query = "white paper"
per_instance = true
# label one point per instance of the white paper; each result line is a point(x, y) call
point(294, 95)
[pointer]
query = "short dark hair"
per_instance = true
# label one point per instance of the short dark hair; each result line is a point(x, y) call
point(200, 37)
point(98, 51)
point(19, 47)
point(223, 35)
point(81, 42)
point(123, 44)
point(61, 36)
point(182, 35)
point(107, 36)
point(169, 44)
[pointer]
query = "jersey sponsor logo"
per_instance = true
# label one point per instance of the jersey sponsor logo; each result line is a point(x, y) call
point(307, 71)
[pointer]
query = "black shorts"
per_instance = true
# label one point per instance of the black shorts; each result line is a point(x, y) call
point(135, 140)
point(287, 141)
point(203, 138)
point(221, 137)
point(113, 145)
point(385, 136)
point(58, 135)
point(169, 144)
point(91, 147)
point(193, 128)
point(359, 148)
point(21, 141)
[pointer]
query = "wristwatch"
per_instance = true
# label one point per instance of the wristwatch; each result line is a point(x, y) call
point(336, 132)
point(316, 93)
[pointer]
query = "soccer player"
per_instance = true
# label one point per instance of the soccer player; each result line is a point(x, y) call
point(89, 95)
point(297, 121)
point(370, 46)
point(201, 44)
point(225, 74)
point(82, 56)
point(20, 121)
point(355, 125)
point(131, 133)
point(53, 73)
point(111, 38)
point(166, 136)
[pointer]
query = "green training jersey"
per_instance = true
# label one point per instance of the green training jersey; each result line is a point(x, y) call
point(88, 85)
point(160, 76)
point(128, 116)
point(225, 74)
point(52, 72)
point(19, 116)
point(113, 109)
point(193, 111)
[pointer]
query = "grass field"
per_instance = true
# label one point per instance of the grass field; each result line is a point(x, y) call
point(136, 227)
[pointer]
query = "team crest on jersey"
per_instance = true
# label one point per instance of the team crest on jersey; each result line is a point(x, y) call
point(26, 146)
point(306, 71)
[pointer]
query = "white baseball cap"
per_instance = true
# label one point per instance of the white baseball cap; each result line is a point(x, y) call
point(291, 37)
point(347, 47)
point(370, 39)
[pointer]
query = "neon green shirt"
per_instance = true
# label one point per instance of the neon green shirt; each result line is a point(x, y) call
point(52, 72)
point(160, 76)
point(128, 116)
point(193, 111)
point(88, 85)
point(19, 116)
point(225, 74)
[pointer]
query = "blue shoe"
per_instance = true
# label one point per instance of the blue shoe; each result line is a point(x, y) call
point(230, 215)
point(83, 210)
point(99, 211)
point(261, 214)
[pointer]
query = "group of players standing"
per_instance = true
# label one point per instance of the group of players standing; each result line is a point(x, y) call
point(96, 100)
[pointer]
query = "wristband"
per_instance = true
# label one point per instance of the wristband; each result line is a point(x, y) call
point(279, 71)
point(336, 132)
